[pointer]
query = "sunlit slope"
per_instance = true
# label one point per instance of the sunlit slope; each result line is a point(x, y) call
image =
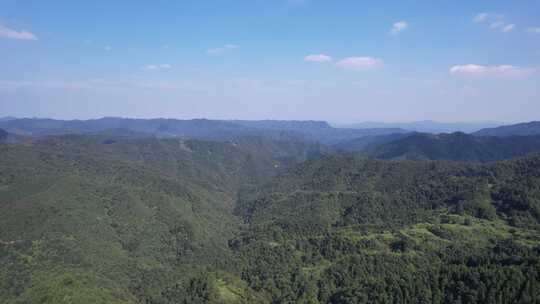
point(347, 229)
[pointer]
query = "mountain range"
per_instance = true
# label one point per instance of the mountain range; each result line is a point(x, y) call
point(166, 211)
point(427, 126)
point(456, 146)
point(195, 128)
point(528, 128)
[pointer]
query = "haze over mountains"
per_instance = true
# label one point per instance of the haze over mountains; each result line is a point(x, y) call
point(528, 128)
point(427, 126)
point(483, 145)
point(196, 128)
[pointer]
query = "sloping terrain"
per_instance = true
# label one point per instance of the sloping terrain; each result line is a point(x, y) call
point(367, 143)
point(114, 220)
point(521, 129)
point(346, 229)
point(104, 219)
point(455, 146)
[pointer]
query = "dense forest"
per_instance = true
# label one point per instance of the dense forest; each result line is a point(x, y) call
point(112, 218)
point(454, 146)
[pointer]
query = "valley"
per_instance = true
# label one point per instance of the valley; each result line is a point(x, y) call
point(257, 219)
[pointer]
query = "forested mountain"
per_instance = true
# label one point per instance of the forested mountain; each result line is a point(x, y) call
point(367, 143)
point(108, 219)
point(94, 219)
point(346, 229)
point(319, 130)
point(528, 128)
point(455, 146)
point(196, 128)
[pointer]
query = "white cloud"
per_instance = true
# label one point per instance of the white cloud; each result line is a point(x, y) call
point(6, 32)
point(398, 27)
point(496, 22)
point(481, 17)
point(152, 67)
point(535, 30)
point(502, 26)
point(508, 28)
point(359, 63)
point(221, 50)
point(476, 70)
point(317, 58)
point(107, 48)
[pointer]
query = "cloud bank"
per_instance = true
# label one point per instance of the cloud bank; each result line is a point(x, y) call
point(475, 70)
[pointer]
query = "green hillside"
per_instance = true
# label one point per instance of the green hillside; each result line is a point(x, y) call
point(455, 146)
point(346, 229)
point(101, 219)
point(87, 218)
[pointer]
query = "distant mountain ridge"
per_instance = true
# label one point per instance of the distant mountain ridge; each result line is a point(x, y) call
point(428, 126)
point(195, 128)
point(527, 128)
point(320, 131)
point(284, 124)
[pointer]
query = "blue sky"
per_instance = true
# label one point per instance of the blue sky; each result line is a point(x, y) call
point(341, 61)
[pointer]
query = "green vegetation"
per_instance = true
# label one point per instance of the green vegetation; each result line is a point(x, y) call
point(108, 219)
point(456, 146)
point(346, 229)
